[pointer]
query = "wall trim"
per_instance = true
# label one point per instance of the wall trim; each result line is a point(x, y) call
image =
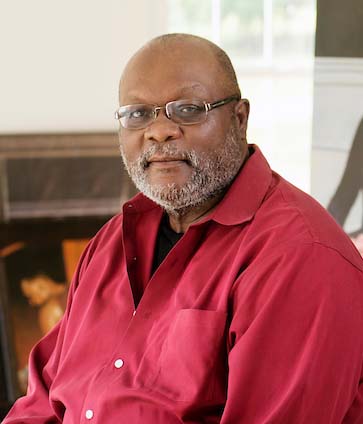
point(338, 71)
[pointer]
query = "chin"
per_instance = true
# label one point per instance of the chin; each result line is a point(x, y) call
point(167, 181)
point(165, 176)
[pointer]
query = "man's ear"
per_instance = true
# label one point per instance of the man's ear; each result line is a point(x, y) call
point(242, 111)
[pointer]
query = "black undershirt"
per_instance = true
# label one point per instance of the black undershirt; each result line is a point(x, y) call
point(165, 241)
point(167, 237)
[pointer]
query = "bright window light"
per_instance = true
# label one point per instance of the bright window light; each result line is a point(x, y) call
point(271, 44)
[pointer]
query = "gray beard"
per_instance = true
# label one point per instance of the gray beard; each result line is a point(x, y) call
point(212, 172)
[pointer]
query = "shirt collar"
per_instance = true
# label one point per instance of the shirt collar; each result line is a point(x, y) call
point(241, 201)
point(247, 192)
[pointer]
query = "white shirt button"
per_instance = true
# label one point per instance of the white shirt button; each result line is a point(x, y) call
point(119, 363)
point(89, 414)
point(134, 313)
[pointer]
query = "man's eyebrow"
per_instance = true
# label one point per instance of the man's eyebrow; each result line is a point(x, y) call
point(191, 87)
point(136, 97)
point(190, 90)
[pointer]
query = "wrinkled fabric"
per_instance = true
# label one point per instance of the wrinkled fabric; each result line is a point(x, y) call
point(255, 316)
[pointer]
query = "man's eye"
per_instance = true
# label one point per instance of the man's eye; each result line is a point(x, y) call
point(137, 114)
point(189, 109)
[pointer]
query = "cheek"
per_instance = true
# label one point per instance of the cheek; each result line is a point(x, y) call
point(206, 137)
point(130, 146)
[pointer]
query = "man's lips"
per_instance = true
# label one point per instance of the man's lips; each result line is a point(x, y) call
point(166, 162)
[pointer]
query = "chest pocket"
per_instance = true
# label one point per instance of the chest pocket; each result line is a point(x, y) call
point(192, 364)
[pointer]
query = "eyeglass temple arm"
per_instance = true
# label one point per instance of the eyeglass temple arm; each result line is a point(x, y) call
point(218, 103)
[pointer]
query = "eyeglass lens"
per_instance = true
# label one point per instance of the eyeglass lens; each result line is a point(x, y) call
point(185, 112)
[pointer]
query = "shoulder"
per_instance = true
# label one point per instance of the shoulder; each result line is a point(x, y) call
point(290, 219)
point(305, 280)
point(297, 253)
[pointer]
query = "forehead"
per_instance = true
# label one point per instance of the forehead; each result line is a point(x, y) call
point(163, 73)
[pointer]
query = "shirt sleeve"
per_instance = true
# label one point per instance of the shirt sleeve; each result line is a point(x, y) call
point(295, 339)
point(35, 407)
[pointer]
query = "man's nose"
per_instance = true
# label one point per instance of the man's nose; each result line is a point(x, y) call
point(162, 129)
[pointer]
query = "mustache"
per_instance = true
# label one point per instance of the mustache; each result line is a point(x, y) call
point(170, 151)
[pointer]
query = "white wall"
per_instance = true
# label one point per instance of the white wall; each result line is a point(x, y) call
point(60, 61)
point(338, 109)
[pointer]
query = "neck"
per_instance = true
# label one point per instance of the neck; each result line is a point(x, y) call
point(180, 220)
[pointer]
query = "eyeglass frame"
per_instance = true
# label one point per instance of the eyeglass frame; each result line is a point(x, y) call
point(157, 109)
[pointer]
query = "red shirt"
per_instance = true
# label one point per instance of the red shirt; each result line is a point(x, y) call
point(255, 316)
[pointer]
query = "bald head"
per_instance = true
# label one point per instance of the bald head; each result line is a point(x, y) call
point(186, 47)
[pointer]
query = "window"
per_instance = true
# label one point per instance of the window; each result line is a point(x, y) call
point(271, 44)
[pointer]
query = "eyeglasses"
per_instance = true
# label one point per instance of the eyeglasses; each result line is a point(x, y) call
point(184, 112)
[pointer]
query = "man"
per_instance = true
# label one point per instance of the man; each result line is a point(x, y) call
point(222, 294)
